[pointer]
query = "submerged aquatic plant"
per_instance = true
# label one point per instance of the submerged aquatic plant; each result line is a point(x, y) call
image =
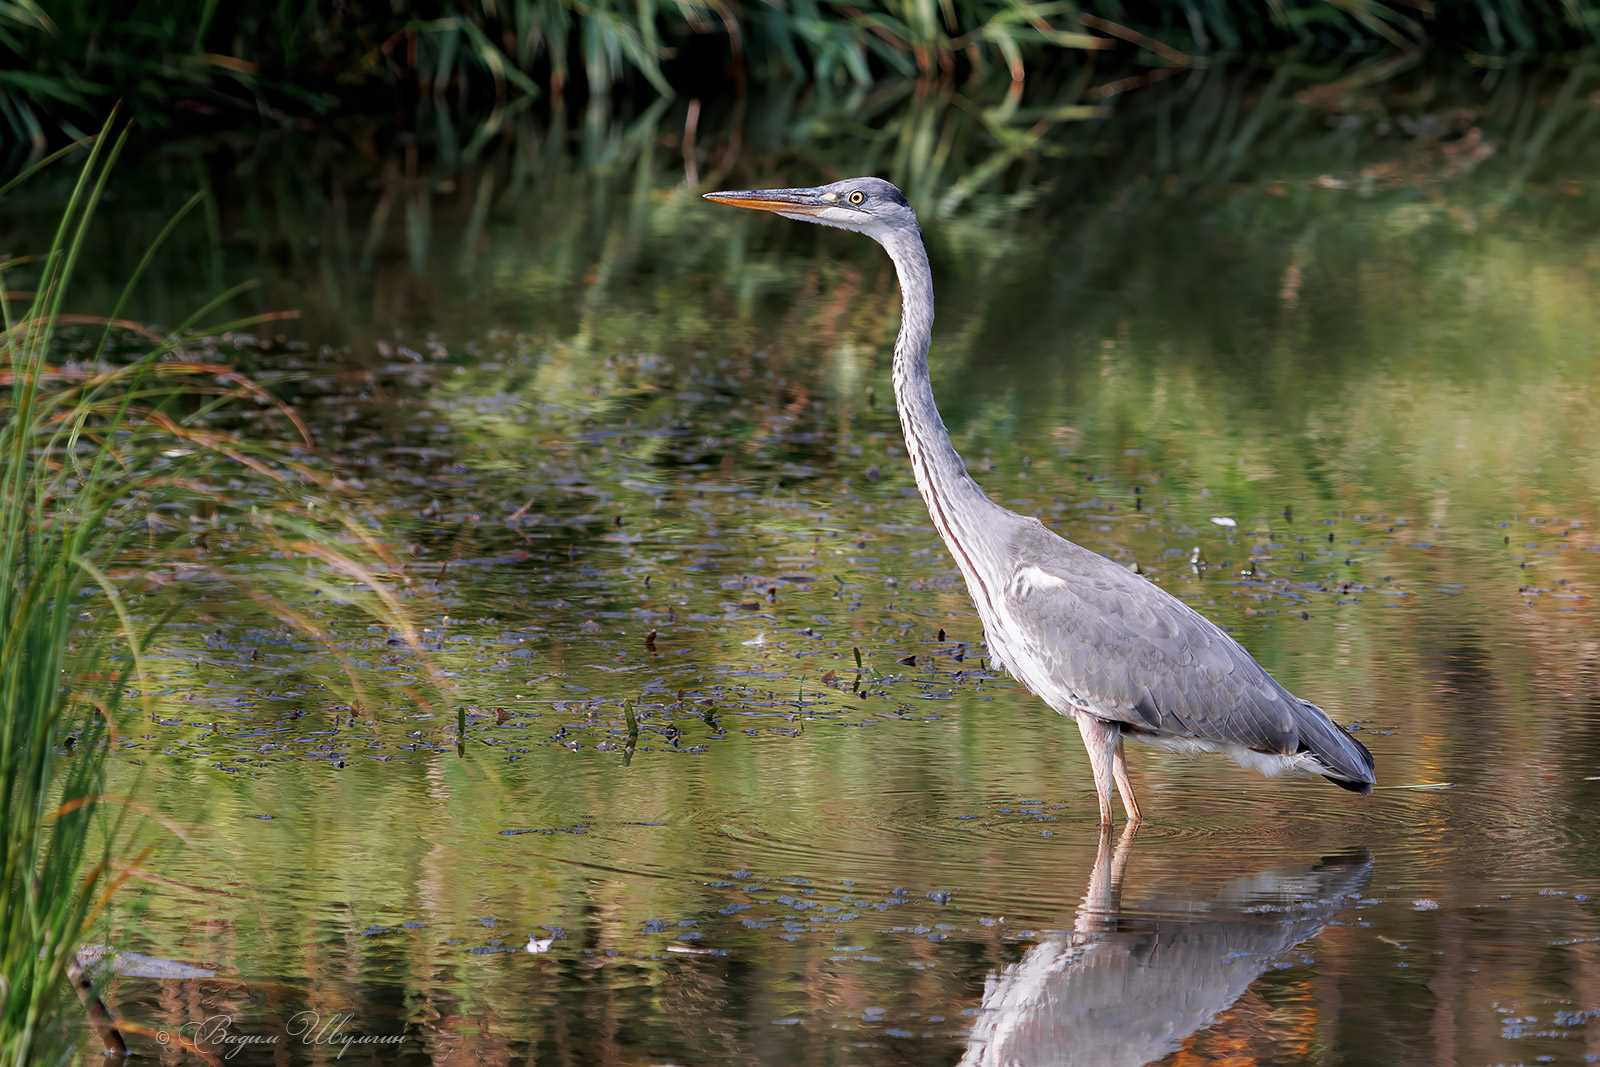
point(122, 507)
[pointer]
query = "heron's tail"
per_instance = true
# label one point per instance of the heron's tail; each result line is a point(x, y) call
point(1346, 761)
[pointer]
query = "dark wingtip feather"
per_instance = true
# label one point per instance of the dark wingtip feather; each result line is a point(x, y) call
point(1349, 764)
point(1361, 785)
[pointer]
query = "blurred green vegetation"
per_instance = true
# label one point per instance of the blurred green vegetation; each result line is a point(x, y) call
point(197, 63)
point(350, 233)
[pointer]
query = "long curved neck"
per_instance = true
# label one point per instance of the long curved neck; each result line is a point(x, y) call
point(956, 503)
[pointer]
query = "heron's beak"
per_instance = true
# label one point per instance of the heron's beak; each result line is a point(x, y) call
point(783, 201)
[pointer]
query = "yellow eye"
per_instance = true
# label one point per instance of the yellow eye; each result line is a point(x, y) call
point(857, 197)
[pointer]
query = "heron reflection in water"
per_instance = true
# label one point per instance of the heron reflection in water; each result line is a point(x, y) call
point(1126, 990)
point(1097, 642)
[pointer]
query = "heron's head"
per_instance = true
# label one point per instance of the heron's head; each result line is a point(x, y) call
point(868, 205)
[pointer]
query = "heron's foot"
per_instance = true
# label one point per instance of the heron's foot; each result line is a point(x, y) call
point(1107, 819)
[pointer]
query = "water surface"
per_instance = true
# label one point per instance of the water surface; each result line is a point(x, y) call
point(641, 454)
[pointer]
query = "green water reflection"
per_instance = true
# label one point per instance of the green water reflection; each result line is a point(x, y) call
point(598, 411)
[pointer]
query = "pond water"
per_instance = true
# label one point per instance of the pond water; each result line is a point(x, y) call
point(641, 455)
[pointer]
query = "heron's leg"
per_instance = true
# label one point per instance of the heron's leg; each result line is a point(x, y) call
point(1101, 739)
point(1119, 770)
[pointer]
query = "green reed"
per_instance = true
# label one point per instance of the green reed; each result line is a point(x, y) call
point(122, 508)
point(50, 875)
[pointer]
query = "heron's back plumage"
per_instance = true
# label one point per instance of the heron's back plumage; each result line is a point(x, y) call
point(1087, 634)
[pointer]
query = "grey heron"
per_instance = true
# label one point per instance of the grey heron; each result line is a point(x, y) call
point(1120, 655)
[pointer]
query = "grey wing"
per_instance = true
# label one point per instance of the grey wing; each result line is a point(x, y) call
point(1106, 640)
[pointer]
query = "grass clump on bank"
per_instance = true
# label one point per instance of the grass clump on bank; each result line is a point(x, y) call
point(122, 509)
